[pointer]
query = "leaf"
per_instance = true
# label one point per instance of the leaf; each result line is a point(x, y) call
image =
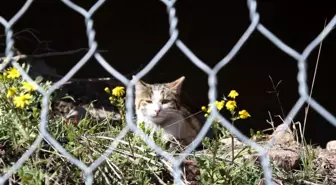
point(69, 97)
point(206, 178)
point(252, 132)
point(38, 79)
point(222, 172)
point(278, 84)
point(23, 65)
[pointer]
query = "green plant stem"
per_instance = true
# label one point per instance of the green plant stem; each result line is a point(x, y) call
point(11, 125)
point(214, 152)
point(129, 139)
point(132, 152)
point(232, 145)
point(14, 138)
point(130, 146)
point(313, 82)
point(22, 126)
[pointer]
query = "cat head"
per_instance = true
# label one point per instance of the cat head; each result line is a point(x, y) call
point(157, 101)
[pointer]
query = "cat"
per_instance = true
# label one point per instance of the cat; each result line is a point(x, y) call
point(159, 106)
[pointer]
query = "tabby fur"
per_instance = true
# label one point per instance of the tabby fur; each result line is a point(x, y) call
point(159, 106)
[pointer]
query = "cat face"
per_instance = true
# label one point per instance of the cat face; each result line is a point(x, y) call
point(157, 102)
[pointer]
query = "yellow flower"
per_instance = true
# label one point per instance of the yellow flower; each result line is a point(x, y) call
point(243, 114)
point(204, 108)
point(231, 105)
point(206, 115)
point(28, 86)
point(107, 90)
point(233, 94)
point(118, 91)
point(22, 100)
point(13, 73)
point(11, 92)
point(6, 59)
point(220, 104)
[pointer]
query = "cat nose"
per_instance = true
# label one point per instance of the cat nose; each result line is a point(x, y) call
point(157, 111)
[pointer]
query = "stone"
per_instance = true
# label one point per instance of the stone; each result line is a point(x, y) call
point(286, 159)
point(331, 146)
point(285, 151)
point(326, 160)
point(192, 171)
point(283, 136)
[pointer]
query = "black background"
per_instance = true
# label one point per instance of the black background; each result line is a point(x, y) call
point(134, 31)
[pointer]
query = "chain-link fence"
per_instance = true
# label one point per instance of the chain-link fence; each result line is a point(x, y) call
point(174, 39)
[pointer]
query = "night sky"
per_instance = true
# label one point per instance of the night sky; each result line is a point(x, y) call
point(132, 32)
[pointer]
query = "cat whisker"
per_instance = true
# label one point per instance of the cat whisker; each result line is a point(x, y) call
point(182, 119)
point(176, 111)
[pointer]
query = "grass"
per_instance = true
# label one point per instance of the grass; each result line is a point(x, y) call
point(132, 162)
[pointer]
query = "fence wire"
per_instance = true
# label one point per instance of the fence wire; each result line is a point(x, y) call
point(212, 82)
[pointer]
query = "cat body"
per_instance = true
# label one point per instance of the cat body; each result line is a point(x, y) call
point(159, 106)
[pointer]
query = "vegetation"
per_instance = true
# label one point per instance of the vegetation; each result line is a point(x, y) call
point(132, 161)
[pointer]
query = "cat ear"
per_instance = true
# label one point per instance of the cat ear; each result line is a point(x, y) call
point(176, 85)
point(140, 85)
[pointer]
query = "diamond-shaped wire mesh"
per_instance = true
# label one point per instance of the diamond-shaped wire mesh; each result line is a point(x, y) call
point(212, 81)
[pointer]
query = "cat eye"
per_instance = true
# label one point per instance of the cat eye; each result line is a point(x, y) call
point(165, 101)
point(148, 101)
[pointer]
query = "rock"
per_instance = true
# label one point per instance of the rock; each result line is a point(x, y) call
point(79, 113)
point(285, 151)
point(192, 171)
point(286, 159)
point(283, 136)
point(331, 146)
point(326, 160)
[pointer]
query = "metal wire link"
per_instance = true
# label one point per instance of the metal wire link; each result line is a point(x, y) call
point(212, 82)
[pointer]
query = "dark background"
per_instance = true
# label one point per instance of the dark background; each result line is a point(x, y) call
point(132, 32)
